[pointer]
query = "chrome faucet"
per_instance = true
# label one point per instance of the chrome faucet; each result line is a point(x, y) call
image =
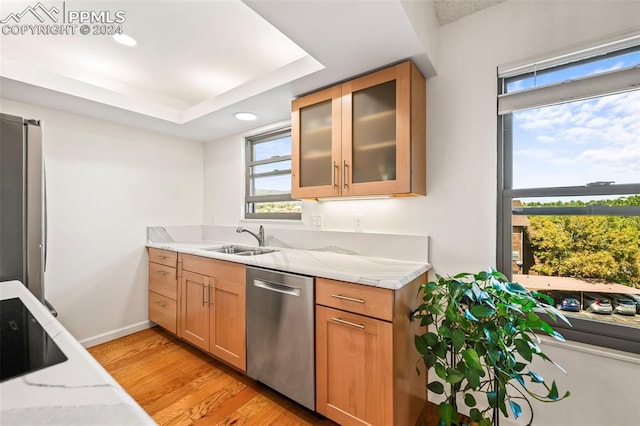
point(259, 236)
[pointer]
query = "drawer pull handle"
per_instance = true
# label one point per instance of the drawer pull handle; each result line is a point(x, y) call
point(163, 273)
point(352, 324)
point(163, 257)
point(162, 305)
point(350, 299)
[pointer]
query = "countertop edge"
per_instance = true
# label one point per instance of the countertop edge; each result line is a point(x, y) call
point(372, 271)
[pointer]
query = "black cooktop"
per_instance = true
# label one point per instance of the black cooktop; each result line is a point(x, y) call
point(24, 345)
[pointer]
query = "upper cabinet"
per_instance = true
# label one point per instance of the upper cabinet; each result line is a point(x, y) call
point(363, 137)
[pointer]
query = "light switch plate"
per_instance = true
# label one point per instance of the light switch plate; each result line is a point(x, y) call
point(358, 222)
point(316, 221)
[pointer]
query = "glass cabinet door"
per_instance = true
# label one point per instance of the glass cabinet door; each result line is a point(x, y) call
point(315, 128)
point(315, 145)
point(377, 128)
point(373, 155)
point(363, 137)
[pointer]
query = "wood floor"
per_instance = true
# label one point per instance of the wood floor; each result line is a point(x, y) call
point(180, 385)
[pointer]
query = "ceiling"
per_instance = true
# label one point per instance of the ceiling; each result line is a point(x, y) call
point(198, 62)
point(448, 11)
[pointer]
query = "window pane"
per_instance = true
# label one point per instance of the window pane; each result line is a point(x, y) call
point(589, 265)
point(272, 167)
point(278, 207)
point(572, 144)
point(578, 70)
point(280, 184)
point(272, 148)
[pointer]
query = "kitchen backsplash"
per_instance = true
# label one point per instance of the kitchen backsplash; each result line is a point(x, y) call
point(391, 246)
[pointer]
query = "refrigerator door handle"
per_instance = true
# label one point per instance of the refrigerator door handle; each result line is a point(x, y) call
point(35, 208)
point(46, 218)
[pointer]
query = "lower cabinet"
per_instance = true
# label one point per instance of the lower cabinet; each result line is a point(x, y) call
point(194, 318)
point(354, 368)
point(213, 309)
point(227, 323)
point(365, 354)
point(163, 289)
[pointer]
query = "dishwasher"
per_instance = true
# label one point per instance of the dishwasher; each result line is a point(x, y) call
point(280, 333)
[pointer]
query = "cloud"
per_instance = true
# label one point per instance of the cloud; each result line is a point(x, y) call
point(545, 139)
point(598, 136)
point(616, 66)
point(623, 163)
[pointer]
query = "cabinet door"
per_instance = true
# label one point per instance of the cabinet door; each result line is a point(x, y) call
point(376, 132)
point(194, 324)
point(315, 134)
point(228, 322)
point(354, 368)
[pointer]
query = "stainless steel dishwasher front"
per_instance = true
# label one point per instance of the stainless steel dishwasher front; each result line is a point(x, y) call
point(280, 333)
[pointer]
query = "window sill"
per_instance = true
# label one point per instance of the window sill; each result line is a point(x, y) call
point(292, 222)
point(571, 345)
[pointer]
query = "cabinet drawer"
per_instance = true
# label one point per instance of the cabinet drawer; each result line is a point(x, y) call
point(227, 271)
point(360, 299)
point(162, 311)
point(162, 280)
point(164, 257)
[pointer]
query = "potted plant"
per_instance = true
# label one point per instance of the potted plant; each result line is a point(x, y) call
point(480, 341)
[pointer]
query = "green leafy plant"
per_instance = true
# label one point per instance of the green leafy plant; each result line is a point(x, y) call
point(480, 341)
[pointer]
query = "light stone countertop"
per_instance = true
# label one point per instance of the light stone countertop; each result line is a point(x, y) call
point(373, 271)
point(77, 391)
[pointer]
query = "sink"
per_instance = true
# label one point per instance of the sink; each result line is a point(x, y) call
point(240, 250)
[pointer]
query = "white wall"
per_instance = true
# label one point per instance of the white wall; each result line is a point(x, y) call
point(105, 184)
point(462, 160)
point(459, 212)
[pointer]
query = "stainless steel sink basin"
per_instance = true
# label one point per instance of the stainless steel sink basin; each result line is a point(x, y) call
point(240, 250)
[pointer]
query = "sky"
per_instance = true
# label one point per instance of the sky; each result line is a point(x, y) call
point(578, 142)
point(266, 185)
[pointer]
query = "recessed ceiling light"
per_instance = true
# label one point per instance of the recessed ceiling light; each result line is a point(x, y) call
point(245, 116)
point(125, 40)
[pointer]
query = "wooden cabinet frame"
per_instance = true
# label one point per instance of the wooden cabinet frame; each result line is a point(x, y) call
point(163, 289)
point(410, 136)
point(332, 94)
point(353, 342)
point(213, 308)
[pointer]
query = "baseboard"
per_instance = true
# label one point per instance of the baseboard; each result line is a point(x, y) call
point(115, 334)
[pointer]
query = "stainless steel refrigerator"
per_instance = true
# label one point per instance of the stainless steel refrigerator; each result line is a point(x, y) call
point(22, 203)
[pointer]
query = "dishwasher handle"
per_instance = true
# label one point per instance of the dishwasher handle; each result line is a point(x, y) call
point(280, 288)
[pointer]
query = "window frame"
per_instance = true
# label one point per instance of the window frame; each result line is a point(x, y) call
point(250, 200)
point(615, 336)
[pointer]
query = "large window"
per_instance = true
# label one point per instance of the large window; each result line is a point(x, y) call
point(569, 187)
point(268, 177)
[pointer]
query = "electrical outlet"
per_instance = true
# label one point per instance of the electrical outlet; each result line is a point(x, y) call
point(316, 221)
point(358, 222)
